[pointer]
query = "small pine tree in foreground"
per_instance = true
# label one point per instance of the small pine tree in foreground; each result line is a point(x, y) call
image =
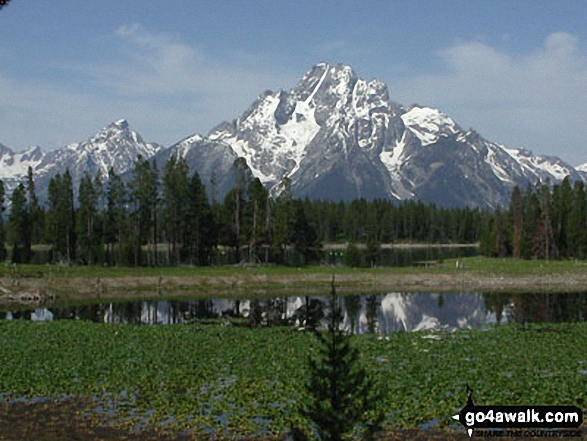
point(341, 393)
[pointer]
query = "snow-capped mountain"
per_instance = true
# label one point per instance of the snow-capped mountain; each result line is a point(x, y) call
point(116, 146)
point(212, 160)
point(337, 136)
point(14, 166)
point(582, 169)
point(333, 136)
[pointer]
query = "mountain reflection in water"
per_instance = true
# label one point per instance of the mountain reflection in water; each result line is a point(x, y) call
point(368, 313)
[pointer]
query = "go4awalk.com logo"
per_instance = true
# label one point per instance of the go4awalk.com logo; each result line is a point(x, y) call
point(520, 421)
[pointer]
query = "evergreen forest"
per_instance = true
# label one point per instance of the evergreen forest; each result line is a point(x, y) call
point(167, 216)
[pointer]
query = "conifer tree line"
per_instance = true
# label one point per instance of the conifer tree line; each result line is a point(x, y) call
point(163, 216)
point(542, 222)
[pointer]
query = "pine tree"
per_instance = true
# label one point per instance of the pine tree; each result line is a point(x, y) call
point(304, 237)
point(233, 221)
point(2, 228)
point(234, 204)
point(154, 201)
point(352, 255)
point(577, 230)
point(175, 195)
point(67, 210)
point(544, 245)
point(86, 220)
point(201, 230)
point(487, 242)
point(284, 219)
point(144, 202)
point(52, 224)
point(342, 394)
point(499, 233)
point(35, 211)
point(19, 226)
point(60, 226)
point(256, 218)
point(99, 219)
point(372, 250)
point(116, 225)
point(517, 217)
point(561, 208)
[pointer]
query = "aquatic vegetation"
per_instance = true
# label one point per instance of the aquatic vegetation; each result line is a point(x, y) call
point(234, 379)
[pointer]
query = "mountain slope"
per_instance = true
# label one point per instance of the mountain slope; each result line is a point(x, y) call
point(116, 146)
point(14, 166)
point(337, 136)
point(212, 160)
point(333, 136)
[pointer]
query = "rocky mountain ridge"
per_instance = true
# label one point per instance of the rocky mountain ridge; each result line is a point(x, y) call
point(332, 136)
point(116, 146)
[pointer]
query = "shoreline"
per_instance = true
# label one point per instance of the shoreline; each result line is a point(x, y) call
point(463, 275)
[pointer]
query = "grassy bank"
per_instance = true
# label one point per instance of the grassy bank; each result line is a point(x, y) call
point(232, 380)
point(479, 265)
point(466, 274)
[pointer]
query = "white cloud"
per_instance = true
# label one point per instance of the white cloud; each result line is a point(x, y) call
point(537, 99)
point(165, 88)
point(168, 89)
point(152, 64)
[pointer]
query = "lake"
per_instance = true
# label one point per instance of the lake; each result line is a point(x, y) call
point(367, 313)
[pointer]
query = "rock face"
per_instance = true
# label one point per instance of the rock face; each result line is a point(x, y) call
point(116, 146)
point(334, 136)
point(337, 136)
point(324, 135)
point(211, 159)
point(14, 166)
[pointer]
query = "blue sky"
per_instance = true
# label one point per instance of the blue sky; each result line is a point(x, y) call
point(516, 71)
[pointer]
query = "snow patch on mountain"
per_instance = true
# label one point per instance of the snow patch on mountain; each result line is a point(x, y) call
point(540, 165)
point(428, 124)
point(15, 165)
point(259, 138)
point(393, 161)
point(273, 150)
point(183, 147)
point(335, 136)
point(492, 159)
point(115, 146)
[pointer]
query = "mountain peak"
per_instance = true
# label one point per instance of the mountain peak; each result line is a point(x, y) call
point(5, 150)
point(33, 153)
point(338, 136)
point(121, 124)
point(334, 136)
point(113, 134)
point(428, 124)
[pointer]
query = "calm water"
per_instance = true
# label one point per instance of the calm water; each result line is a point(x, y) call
point(394, 312)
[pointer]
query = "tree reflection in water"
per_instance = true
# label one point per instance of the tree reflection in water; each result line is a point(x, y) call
point(367, 313)
point(538, 307)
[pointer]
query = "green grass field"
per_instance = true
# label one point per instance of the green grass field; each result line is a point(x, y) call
point(478, 265)
point(471, 274)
